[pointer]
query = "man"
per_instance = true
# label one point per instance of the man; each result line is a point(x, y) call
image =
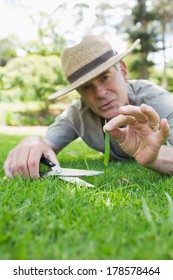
point(139, 113)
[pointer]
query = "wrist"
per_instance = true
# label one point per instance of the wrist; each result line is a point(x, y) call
point(164, 161)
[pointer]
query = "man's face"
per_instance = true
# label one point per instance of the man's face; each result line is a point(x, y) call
point(107, 92)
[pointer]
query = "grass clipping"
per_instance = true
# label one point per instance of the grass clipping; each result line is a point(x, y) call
point(107, 148)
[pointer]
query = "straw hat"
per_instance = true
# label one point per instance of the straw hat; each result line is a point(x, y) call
point(86, 60)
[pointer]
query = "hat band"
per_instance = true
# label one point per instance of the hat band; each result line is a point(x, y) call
point(90, 66)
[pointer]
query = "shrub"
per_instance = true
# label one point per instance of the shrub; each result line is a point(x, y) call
point(34, 77)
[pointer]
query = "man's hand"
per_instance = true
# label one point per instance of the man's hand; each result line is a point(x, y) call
point(24, 159)
point(139, 132)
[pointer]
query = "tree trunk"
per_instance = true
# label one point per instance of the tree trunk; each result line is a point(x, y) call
point(164, 73)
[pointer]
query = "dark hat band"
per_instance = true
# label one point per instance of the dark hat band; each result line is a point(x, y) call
point(90, 66)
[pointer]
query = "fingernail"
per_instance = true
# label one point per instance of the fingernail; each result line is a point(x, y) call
point(106, 127)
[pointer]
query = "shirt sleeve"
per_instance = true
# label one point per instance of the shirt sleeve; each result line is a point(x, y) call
point(65, 128)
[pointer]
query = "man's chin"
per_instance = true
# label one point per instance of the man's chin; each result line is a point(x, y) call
point(110, 115)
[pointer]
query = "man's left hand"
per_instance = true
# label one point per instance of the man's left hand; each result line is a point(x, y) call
point(139, 132)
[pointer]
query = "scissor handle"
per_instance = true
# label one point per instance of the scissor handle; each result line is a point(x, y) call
point(47, 162)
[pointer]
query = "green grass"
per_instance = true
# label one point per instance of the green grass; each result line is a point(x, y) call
point(128, 215)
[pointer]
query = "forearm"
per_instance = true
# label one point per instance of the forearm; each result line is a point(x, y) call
point(164, 162)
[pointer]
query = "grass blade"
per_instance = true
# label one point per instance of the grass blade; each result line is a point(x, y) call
point(146, 210)
point(107, 148)
point(170, 201)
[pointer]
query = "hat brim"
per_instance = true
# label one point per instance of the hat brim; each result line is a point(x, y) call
point(94, 73)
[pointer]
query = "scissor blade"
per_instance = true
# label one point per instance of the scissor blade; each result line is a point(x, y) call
point(57, 170)
point(78, 172)
point(78, 181)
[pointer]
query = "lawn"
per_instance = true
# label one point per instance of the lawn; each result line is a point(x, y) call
point(128, 215)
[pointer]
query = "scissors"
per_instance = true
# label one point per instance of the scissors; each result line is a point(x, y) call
point(67, 174)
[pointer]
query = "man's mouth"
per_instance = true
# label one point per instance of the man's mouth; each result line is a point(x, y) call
point(107, 105)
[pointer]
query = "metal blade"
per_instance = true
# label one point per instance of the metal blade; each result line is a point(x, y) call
point(78, 172)
point(78, 181)
point(57, 170)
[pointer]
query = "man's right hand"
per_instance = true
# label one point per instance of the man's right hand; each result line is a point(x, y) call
point(24, 159)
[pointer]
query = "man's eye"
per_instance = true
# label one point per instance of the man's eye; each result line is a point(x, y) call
point(104, 78)
point(85, 87)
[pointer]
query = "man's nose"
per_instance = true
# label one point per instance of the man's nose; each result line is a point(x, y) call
point(100, 91)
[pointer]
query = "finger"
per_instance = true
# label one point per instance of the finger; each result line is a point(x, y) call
point(119, 134)
point(17, 161)
point(35, 156)
point(14, 164)
point(22, 167)
point(115, 127)
point(134, 111)
point(119, 121)
point(51, 156)
point(34, 162)
point(18, 164)
point(6, 167)
point(164, 131)
point(152, 115)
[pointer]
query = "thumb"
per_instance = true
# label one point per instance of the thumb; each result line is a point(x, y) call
point(51, 156)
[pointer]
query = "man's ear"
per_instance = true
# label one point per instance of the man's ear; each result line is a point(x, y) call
point(124, 70)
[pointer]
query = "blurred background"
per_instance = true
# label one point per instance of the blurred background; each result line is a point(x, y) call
point(34, 32)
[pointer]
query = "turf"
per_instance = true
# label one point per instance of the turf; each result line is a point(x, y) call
point(128, 215)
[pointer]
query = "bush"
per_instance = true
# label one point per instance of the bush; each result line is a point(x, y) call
point(156, 76)
point(28, 119)
point(34, 77)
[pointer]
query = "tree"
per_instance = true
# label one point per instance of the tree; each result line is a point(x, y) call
point(164, 9)
point(142, 26)
point(109, 16)
point(7, 49)
point(33, 77)
point(49, 41)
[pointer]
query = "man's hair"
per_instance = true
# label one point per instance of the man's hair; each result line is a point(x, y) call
point(117, 65)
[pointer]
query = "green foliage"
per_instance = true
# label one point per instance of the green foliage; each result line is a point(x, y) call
point(7, 49)
point(156, 77)
point(20, 113)
point(142, 27)
point(107, 149)
point(133, 61)
point(34, 77)
point(28, 119)
point(128, 215)
point(49, 41)
point(12, 119)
